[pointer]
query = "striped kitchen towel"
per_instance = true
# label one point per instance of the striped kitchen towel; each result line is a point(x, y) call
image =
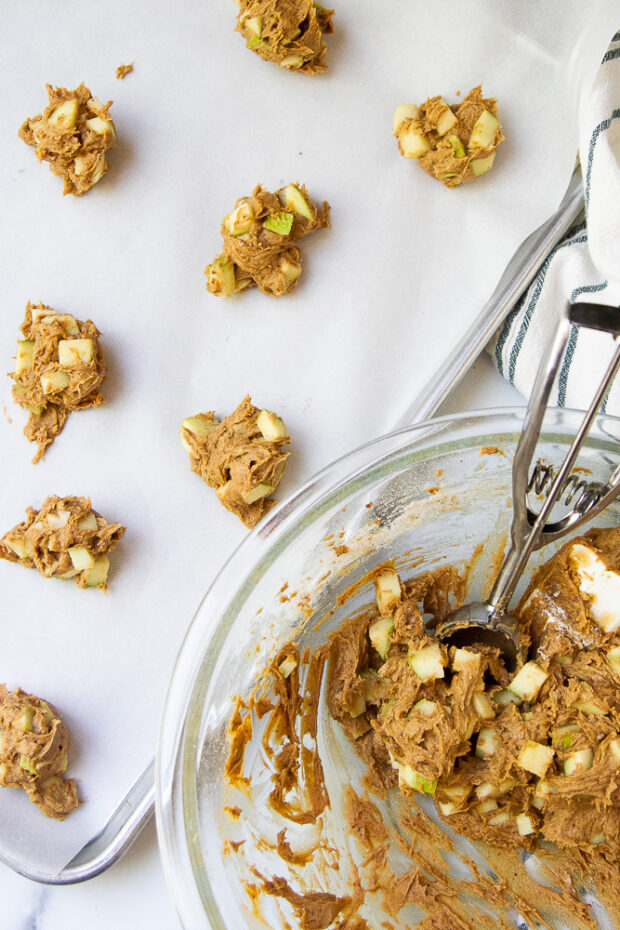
point(585, 265)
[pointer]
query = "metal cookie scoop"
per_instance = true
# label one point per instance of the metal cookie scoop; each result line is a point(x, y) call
point(491, 623)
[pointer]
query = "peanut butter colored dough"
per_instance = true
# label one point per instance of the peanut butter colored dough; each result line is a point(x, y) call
point(65, 539)
point(123, 70)
point(513, 759)
point(73, 134)
point(287, 32)
point(59, 368)
point(34, 745)
point(259, 236)
point(455, 144)
point(241, 457)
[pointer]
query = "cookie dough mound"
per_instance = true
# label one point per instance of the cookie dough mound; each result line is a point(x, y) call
point(65, 539)
point(34, 745)
point(287, 32)
point(59, 368)
point(241, 457)
point(455, 144)
point(73, 134)
point(259, 236)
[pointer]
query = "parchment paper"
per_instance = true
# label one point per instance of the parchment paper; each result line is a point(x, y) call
point(385, 294)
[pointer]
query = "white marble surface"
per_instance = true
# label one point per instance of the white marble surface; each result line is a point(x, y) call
point(133, 893)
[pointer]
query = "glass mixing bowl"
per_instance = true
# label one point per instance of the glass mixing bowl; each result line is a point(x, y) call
point(429, 495)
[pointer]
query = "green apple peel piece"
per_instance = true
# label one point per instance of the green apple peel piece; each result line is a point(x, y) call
point(457, 146)
point(412, 779)
point(379, 634)
point(280, 223)
point(28, 765)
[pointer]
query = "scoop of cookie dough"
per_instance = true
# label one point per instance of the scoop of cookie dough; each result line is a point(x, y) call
point(34, 745)
point(59, 368)
point(241, 457)
point(259, 236)
point(65, 539)
point(73, 134)
point(454, 144)
point(287, 32)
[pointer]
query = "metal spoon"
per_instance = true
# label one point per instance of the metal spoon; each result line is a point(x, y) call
point(491, 623)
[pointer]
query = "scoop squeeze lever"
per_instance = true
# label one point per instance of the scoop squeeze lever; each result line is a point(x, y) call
point(491, 623)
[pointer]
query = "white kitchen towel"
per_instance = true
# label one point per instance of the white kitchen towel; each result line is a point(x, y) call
point(585, 265)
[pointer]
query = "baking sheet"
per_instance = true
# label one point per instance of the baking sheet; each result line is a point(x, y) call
point(385, 295)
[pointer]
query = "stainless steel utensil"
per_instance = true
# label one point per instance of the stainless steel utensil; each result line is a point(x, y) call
point(491, 623)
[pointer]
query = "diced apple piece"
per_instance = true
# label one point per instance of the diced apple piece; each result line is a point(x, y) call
point(501, 819)
point(563, 660)
point(487, 806)
point(18, 545)
point(387, 591)
point(68, 575)
point(613, 659)
point(98, 572)
point(464, 660)
point(544, 788)
point(87, 522)
point(424, 707)
point(446, 121)
point(413, 143)
point(24, 721)
point(447, 808)
point(525, 824)
point(287, 666)
point(428, 662)
point(57, 519)
point(600, 584)
point(291, 270)
point(482, 706)
point(589, 707)
point(538, 803)
point(64, 115)
point(411, 778)
point(582, 759)
point(200, 425)
point(403, 112)
point(254, 24)
point(293, 199)
point(75, 352)
point(562, 737)
point(47, 316)
point(280, 223)
point(487, 790)
point(100, 126)
point(505, 697)
point(221, 277)
point(535, 758)
point(81, 558)
point(528, 681)
point(358, 707)
point(484, 131)
point(24, 359)
point(271, 426)
point(379, 634)
point(480, 166)
point(28, 765)
point(597, 839)
point(292, 61)
point(261, 490)
point(507, 785)
point(614, 748)
point(487, 743)
point(239, 221)
point(54, 381)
